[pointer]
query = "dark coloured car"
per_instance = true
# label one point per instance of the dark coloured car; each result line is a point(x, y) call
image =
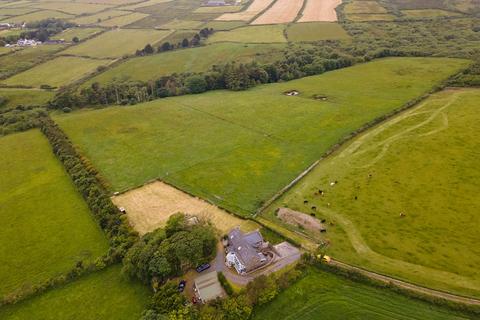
point(181, 285)
point(203, 267)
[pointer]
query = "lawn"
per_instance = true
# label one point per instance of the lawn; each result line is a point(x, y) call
point(105, 295)
point(24, 97)
point(187, 60)
point(315, 31)
point(73, 68)
point(45, 225)
point(80, 33)
point(25, 58)
point(238, 148)
point(251, 34)
point(117, 43)
point(407, 195)
point(322, 295)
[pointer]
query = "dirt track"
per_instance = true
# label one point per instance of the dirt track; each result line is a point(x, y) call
point(150, 206)
point(282, 11)
point(320, 10)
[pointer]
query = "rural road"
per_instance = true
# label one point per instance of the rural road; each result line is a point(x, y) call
point(406, 285)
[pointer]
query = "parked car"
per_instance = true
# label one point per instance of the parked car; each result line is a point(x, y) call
point(181, 285)
point(203, 267)
point(194, 300)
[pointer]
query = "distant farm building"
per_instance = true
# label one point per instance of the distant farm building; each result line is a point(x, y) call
point(215, 3)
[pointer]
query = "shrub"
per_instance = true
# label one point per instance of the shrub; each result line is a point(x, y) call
point(225, 284)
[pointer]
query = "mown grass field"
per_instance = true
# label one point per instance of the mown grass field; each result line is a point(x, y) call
point(105, 295)
point(117, 43)
point(238, 148)
point(25, 58)
point(73, 68)
point(422, 164)
point(80, 33)
point(322, 295)
point(251, 34)
point(45, 227)
point(188, 60)
point(315, 31)
point(24, 97)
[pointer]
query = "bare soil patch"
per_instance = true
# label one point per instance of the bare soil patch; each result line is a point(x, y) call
point(150, 206)
point(255, 8)
point(300, 219)
point(282, 11)
point(320, 10)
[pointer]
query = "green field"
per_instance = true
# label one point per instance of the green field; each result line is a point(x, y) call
point(80, 33)
point(182, 24)
point(72, 7)
point(429, 13)
point(370, 17)
point(104, 295)
point(45, 225)
point(321, 295)
point(25, 58)
point(361, 6)
point(123, 20)
point(15, 11)
point(422, 164)
point(220, 9)
point(224, 25)
point(73, 68)
point(99, 17)
point(117, 43)
point(38, 15)
point(187, 60)
point(24, 97)
point(315, 31)
point(251, 34)
point(239, 148)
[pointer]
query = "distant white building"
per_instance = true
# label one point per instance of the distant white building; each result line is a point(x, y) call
point(27, 43)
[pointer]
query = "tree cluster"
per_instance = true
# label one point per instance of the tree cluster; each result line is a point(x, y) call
point(170, 252)
point(186, 43)
point(168, 302)
point(20, 118)
point(39, 30)
point(232, 76)
point(88, 182)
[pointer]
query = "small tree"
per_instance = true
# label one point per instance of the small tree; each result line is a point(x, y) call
point(148, 49)
point(75, 40)
point(165, 47)
point(196, 84)
point(185, 43)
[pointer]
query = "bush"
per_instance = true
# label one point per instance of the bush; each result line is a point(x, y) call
point(225, 284)
point(196, 84)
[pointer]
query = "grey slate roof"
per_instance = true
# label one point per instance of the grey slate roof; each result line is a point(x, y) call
point(245, 246)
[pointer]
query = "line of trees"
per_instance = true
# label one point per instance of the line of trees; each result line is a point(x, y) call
point(92, 188)
point(185, 43)
point(232, 76)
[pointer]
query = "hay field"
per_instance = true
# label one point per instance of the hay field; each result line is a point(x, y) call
point(359, 6)
point(104, 295)
point(406, 195)
point(315, 31)
point(282, 11)
point(191, 60)
point(149, 207)
point(72, 69)
point(72, 7)
point(253, 9)
point(45, 226)
point(320, 10)
point(237, 149)
point(123, 20)
point(117, 43)
point(322, 295)
point(251, 34)
point(24, 97)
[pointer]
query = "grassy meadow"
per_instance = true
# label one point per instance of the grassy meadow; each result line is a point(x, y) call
point(117, 43)
point(123, 20)
point(105, 295)
point(99, 17)
point(321, 295)
point(38, 15)
point(25, 58)
point(406, 195)
point(316, 31)
point(24, 97)
point(45, 225)
point(80, 33)
point(73, 68)
point(251, 34)
point(187, 60)
point(238, 148)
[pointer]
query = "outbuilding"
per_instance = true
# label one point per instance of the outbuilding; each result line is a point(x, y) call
point(207, 287)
